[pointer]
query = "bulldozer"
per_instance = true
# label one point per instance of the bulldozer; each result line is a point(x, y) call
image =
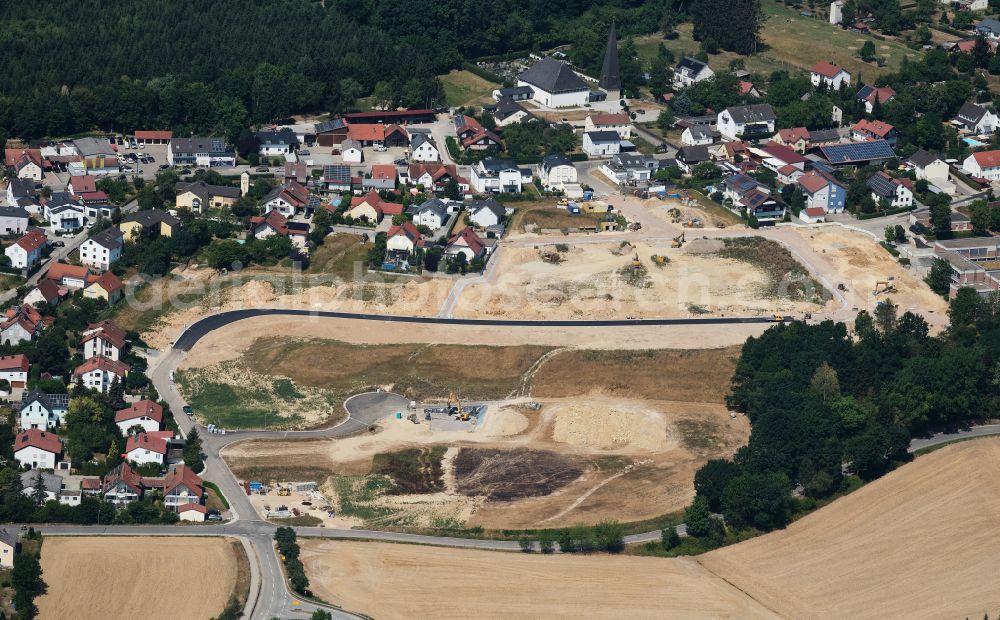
point(678, 241)
point(884, 286)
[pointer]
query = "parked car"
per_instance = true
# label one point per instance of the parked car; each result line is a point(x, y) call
point(304, 152)
point(188, 410)
point(186, 171)
point(262, 169)
point(381, 148)
point(164, 166)
point(214, 517)
point(58, 244)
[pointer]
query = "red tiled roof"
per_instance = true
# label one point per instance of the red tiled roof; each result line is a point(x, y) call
point(815, 211)
point(32, 240)
point(812, 182)
point(182, 474)
point(93, 196)
point(479, 135)
point(610, 119)
point(826, 69)
point(83, 184)
point(783, 153)
point(384, 172)
point(138, 409)
point(49, 290)
point(471, 239)
point(108, 330)
point(787, 169)
point(126, 474)
point(145, 442)
point(194, 507)
point(745, 87)
point(58, 271)
point(366, 132)
point(274, 219)
point(883, 94)
point(153, 135)
point(794, 134)
point(987, 159)
point(406, 229)
point(874, 128)
point(18, 361)
point(37, 438)
point(11, 156)
point(107, 281)
point(103, 363)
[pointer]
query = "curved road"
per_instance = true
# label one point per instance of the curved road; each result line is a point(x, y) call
point(272, 598)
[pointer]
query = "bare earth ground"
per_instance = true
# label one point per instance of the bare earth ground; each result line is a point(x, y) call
point(404, 581)
point(921, 542)
point(589, 283)
point(638, 459)
point(110, 578)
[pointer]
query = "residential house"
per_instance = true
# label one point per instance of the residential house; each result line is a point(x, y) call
point(122, 485)
point(983, 165)
point(70, 276)
point(630, 168)
point(486, 213)
point(555, 84)
point(897, 193)
point(747, 122)
point(104, 339)
point(144, 448)
point(865, 130)
point(276, 142)
point(13, 221)
point(422, 148)
point(699, 135)
point(372, 207)
point(433, 214)
point(42, 411)
point(45, 292)
point(829, 74)
point(746, 193)
point(26, 252)
point(507, 112)
point(331, 132)
point(35, 479)
point(205, 152)
point(64, 212)
point(98, 373)
point(989, 28)
point(471, 135)
point(200, 196)
point(144, 414)
point(83, 184)
point(823, 137)
point(383, 176)
point(977, 119)
point(748, 88)
point(690, 156)
point(601, 143)
point(396, 136)
point(182, 488)
point(295, 171)
point(556, 171)
point(336, 178)
point(274, 223)
point(467, 243)
point(14, 370)
point(133, 224)
point(289, 199)
point(689, 71)
point(795, 138)
point(37, 449)
point(870, 95)
point(29, 165)
point(403, 238)
point(857, 153)
point(96, 205)
point(20, 323)
point(492, 174)
point(823, 191)
point(435, 176)
point(102, 249)
point(776, 156)
point(932, 168)
point(351, 151)
point(618, 123)
point(106, 286)
point(10, 544)
point(21, 192)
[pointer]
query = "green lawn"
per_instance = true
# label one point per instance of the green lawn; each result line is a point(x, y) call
point(465, 88)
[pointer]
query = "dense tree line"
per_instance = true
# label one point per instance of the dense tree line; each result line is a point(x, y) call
point(196, 67)
point(827, 407)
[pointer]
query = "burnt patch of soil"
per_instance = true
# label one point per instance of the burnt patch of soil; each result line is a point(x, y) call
point(504, 475)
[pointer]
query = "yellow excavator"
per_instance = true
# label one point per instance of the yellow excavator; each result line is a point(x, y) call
point(459, 413)
point(636, 263)
point(883, 286)
point(678, 241)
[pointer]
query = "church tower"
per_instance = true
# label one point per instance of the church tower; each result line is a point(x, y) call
point(611, 81)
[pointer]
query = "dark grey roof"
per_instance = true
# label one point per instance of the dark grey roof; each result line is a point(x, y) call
point(991, 25)
point(610, 71)
point(507, 107)
point(824, 135)
point(854, 152)
point(436, 205)
point(88, 147)
point(110, 238)
point(755, 113)
point(702, 131)
point(196, 144)
point(339, 174)
point(923, 158)
point(49, 401)
point(151, 217)
point(282, 137)
point(59, 199)
point(22, 187)
point(418, 139)
point(553, 76)
point(882, 185)
point(9, 536)
point(691, 65)
point(551, 161)
point(203, 190)
point(330, 125)
point(350, 143)
point(17, 212)
point(491, 204)
point(603, 136)
point(496, 164)
point(516, 90)
point(970, 113)
point(51, 482)
point(694, 154)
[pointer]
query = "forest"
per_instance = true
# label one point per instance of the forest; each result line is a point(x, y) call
point(829, 410)
point(219, 66)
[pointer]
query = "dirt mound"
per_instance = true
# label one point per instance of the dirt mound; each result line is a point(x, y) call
point(703, 246)
point(610, 427)
point(503, 475)
point(413, 470)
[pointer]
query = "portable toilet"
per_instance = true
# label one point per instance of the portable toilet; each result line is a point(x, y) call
point(588, 194)
point(399, 415)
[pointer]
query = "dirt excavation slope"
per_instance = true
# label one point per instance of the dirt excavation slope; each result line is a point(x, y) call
point(110, 578)
point(390, 581)
point(922, 542)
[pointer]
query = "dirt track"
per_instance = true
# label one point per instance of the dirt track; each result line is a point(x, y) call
point(124, 578)
point(403, 581)
point(921, 542)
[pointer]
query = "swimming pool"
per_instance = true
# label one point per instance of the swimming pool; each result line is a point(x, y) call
point(973, 142)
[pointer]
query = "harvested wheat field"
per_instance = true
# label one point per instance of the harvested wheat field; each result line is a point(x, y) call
point(598, 281)
point(921, 542)
point(167, 578)
point(404, 581)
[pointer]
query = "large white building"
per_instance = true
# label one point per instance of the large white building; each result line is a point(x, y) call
point(103, 249)
point(496, 175)
point(556, 171)
point(746, 121)
point(830, 74)
point(37, 449)
point(555, 84)
point(26, 252)
point(983, 165)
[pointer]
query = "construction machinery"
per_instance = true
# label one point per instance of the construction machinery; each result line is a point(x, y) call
point(693, 223)
point(284, 491)
point(884, 286)
point(636, 263)
point(678, 241)
point(659, 260)
point(777, 318)
point(457, 410)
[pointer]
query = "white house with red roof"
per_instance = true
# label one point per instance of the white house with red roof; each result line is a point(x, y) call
point(98, 373)
point(14, 369)
point(830, 74)
point(26, 252)
point(192, 512)
point(466, 242)
point(145, 414)
point(181, 487)
point(274, 223)
point(402, 238)
point(372, 207)
point(865, 130)
point(104, 339)
point(37, 449)
point(143, 448)
point(288, 198)
point(122, 485)
point(19, 324)
point(84, 184)
point(983, 165)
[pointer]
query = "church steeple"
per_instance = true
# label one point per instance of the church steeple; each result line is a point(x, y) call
point(611, 81)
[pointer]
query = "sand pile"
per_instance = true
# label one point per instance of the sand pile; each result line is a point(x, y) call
point(611, 427)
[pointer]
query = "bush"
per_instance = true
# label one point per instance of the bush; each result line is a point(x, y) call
point(527, 546)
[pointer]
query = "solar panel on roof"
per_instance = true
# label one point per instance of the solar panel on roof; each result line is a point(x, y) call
point(858, 151)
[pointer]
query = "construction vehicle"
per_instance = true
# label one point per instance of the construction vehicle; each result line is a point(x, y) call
point(457, 410)
point(659, 260)
point(693, 223)
point(563, 202)
point(777, 318)
point(678, 241)
point(552, 257)
point(634, 226)
point(636, 263)
point(284, 491)
point(884, 286)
